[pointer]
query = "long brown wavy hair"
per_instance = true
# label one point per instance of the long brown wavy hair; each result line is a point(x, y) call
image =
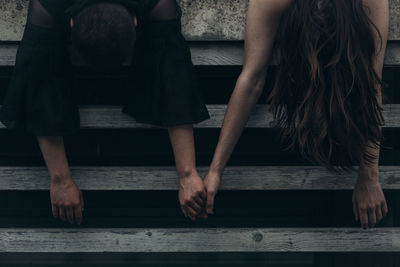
point(325, 96)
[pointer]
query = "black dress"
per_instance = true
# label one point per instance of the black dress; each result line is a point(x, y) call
point(40, 100)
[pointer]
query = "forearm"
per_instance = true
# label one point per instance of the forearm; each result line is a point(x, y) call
point(53, 151)
point(378, 12)
point(182, 141)
point(242, 102)
point(262, 24)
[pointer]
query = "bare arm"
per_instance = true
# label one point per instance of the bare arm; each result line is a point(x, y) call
point(54, 155)
point(378, 12)
point(263, 20)
point(178, 64)
point(369, 202)
point(191, 188)
point(66, 198)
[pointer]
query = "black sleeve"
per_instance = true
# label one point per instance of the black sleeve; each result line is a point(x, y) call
point(39, 97)
point(167, 92)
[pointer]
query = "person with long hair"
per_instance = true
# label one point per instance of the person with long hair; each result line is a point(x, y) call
point(327, 97)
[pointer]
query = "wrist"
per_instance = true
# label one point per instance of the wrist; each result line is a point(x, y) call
point(60, 177)
point(368, 173)
point(215, 172)
point(186, 173)
point(216, 169)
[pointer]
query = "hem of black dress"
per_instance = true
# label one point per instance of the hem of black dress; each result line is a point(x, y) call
point(36, 132)
point(166, 124)
point(194, 121)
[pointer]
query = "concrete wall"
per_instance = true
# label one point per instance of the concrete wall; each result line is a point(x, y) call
point(202, 20)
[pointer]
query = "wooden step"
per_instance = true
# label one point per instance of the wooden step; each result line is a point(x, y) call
point(202, 20)
point(199, 240)
point(238, 178)
point(111, 117)
point(211, 54)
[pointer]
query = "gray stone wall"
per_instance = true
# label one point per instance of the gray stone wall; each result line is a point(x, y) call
point(202, 20)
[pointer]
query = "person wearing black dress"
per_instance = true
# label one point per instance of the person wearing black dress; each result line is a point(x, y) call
point(145, 34)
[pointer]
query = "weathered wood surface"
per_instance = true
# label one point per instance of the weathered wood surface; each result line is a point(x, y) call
point(202, 19)
point(211, 54)
point(165, 178)
point(111, 117)
point(199, 240)
point(392, 56)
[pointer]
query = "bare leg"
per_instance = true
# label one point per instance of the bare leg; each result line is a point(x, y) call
point(369, 202)
point(66, 198)
point(192, 194)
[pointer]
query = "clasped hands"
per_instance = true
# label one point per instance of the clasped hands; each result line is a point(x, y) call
point(196, 195)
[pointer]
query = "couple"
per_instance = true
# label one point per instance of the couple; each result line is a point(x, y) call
point(326, 99)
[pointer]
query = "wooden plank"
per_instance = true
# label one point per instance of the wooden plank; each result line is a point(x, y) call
point(199, 240)
point(202, 20)
point(211, 54)
point(7, 55)
point(165, 178)
point(111, 117)
point(218, 54)
point(392, 56)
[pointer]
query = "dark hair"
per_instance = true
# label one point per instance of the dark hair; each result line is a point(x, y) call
point(104, 34)
point(325, 95)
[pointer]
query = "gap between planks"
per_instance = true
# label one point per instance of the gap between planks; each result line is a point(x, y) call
point(212, 54)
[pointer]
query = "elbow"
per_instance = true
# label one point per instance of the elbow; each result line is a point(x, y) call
point(252, 84)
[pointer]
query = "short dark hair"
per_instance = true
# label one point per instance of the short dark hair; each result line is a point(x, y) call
point(104, 34)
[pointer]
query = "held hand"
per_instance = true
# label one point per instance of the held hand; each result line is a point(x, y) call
point(211, 182)
point(192, 195)
point(66, 200)
point(369, 203)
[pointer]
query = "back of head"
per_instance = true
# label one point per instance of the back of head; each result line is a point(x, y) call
point(325, 96)
point(104, 34)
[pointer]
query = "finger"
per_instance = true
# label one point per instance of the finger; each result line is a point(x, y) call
point(363, 218)
point(184, 212)
point(210, 204)
point(199, 200)
point(195, 206)
point(371, 217)
point(203, 195)
point(70, 214)
point(193, 209)
point(355, 210)
point(385, 209)
point(203, 215)
point(190, 213)
point(82, 202)
point(78, 214)
point(62, 214)
point(379, 215)
point(54, 210)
